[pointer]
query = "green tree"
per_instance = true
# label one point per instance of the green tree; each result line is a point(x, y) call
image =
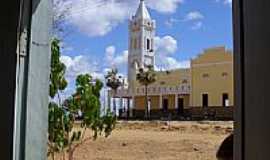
point(61, 132)
point(57, 76)
point(56, 130)
point(146, 77)
point(86, 100)
point(114, 81)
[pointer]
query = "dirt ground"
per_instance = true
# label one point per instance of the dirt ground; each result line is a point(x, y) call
point(157, 141)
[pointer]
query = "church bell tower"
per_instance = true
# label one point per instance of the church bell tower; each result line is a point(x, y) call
point(141, 42)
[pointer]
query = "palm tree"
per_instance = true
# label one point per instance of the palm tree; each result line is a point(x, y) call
point(146, 77)
point(114, 81)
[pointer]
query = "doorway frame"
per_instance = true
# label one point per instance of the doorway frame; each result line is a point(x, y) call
point(224, 99)
point(238, 46)
point(202, 98)
point(163, 105)
point(180, 110)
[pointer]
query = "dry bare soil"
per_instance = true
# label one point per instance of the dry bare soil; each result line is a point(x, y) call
point(157, 141)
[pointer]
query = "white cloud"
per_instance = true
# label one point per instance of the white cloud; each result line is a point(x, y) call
point(194, 15)
point(229, 2)
point(65, 47)
point(80, 65)
point(171, 21)
point(165, 48)
point(226, 2)
point(77, 65)
point(197, 25)
point(166, 45)
point(99, 17)
point(114, 60)
point(110, 51)
point(121, 59)
point(164, 6)
point(169, 63)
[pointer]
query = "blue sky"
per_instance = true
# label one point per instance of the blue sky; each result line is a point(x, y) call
point(100, 32)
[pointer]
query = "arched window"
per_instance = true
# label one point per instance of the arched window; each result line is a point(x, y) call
point(152, 44)
point(162, 83)
point(205, 75)
point(184, 81)
point(148, 44)
point(224, 74)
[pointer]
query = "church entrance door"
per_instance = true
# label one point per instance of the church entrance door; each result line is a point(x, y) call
point(180, 108)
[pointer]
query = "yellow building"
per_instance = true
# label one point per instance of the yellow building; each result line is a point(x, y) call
point(212, 78)
point(171, 88)
point(208, 83)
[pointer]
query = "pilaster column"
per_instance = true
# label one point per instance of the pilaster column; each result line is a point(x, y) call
point(133, 102)
point(176, 101)
point(128, 108)
point(120, 106)
point(133, 106)
point(121, 103)
point(160, 101)
point(108, 102)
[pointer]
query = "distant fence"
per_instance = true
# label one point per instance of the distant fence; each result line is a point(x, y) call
point(191, 113)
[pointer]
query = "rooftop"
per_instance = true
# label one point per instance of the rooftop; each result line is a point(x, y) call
point(142, 12)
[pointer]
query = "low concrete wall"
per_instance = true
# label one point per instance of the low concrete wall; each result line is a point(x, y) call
point(212, 113)
point(191, 113)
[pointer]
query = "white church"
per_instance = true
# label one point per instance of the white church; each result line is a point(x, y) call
point(174, 90)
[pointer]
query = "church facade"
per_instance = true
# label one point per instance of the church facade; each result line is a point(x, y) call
point(205, 88)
